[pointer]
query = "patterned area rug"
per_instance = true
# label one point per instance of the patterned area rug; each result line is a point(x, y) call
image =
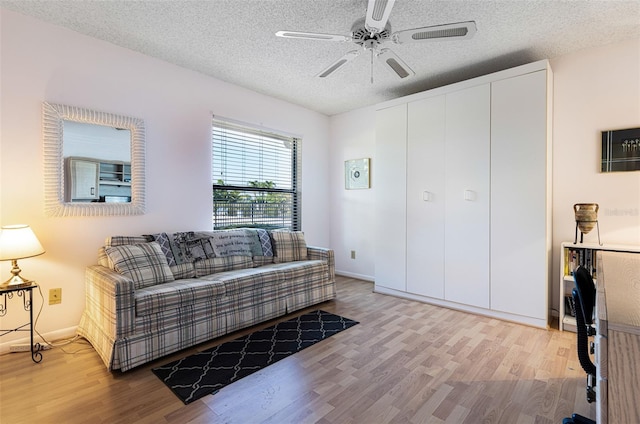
point(207, 372)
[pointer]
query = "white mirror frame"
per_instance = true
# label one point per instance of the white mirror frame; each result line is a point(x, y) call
point(53, 116)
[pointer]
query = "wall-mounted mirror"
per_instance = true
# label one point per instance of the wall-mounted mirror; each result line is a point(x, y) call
point(94, 162)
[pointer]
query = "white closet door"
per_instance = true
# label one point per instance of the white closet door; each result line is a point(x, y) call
point(425, 197)
point(84, 179)
point(519, 189)
point(467, 190)
point(389, 182)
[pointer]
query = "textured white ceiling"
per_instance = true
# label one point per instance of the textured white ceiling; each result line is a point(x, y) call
point(233, 40)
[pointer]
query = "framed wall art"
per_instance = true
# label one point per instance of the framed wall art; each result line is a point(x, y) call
point(621, 150)
point(356, 174)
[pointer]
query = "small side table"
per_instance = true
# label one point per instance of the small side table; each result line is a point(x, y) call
point(23, 292)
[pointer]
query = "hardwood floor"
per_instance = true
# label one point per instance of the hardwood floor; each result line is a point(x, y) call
point(406, 362)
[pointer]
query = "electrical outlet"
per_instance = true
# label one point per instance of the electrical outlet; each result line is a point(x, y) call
point(55, 296)
point(353, 254)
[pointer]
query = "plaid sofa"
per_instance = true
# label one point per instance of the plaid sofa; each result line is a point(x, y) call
point(153, 295)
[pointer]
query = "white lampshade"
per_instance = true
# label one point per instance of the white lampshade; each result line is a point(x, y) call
point(18, 242)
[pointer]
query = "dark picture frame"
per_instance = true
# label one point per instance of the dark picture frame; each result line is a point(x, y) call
point(620, 150)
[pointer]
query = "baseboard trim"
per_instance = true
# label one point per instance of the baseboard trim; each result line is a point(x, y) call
point(355, 275)
point(505, 316)
point(52, 336)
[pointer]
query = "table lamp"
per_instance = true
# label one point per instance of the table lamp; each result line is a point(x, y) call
point(18, 242)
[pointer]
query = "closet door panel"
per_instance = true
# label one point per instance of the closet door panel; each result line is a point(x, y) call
point(389, 182)
point(519, 190)
point(467, 158)
point(83, 178)
point(425, 197)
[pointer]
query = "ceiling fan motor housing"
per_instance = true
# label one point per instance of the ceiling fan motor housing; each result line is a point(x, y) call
point(367, 39)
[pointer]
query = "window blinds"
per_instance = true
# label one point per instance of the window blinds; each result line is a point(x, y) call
point(254, 176)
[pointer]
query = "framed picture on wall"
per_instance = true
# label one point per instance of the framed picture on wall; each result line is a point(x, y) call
point(621, 150)
point(356, 174)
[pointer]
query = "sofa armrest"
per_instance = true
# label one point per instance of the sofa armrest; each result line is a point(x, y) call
point(110, 301)
point(323, 254)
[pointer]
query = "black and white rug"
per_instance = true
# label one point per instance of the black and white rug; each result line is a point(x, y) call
point(207, 372)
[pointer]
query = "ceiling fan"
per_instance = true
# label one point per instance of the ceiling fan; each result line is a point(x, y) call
point(373, 31)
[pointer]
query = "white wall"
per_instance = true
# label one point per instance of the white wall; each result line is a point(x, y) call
point(352, 211)
point(594, 90)
point(42, 62)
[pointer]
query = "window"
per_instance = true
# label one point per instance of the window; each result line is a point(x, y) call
point(255, 177)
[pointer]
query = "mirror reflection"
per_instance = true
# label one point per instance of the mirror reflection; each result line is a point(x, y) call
point(93, 162)
point(97, 162)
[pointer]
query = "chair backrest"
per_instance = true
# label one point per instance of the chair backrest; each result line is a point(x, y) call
point(586, 292)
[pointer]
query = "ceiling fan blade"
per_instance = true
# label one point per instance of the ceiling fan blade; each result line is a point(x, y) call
point(395, 64)
point(312, 36)
point(457, 31)
point(348, 57)
point(378, 12)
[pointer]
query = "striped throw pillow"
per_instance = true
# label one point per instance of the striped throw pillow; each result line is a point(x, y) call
point(288, 246)
point(144, 263)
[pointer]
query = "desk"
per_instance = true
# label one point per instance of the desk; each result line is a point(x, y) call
point(26, 293)
point(618, 337)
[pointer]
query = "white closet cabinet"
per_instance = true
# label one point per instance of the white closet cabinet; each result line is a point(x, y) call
point(390, 182)
point(520, 196)
point(467, 196)
point(82, 179)
point(426, 197)
point(448, 196)
point(463, 195)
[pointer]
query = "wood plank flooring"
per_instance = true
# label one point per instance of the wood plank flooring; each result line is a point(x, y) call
point(406, 362)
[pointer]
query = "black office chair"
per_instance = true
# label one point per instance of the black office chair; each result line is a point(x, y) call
point(584, 297)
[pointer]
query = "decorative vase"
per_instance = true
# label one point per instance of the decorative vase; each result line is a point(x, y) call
point(586, 218)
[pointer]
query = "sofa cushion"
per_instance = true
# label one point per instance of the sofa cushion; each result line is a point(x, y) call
point(185, 270)
point(176, 294)
point(245, 280)
point(226, 263)
point(103, 259)
point(262, 260)
point(144, 263)
point(288, 246)
point(304, 283)
point(231, 243)
point(126, 240)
